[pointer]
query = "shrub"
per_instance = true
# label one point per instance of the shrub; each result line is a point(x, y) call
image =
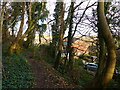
point(44, 52)
point(113, 84)
point(81, 76)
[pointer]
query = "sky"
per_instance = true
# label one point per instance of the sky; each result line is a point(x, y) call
point(53, 0)
point(51, 6)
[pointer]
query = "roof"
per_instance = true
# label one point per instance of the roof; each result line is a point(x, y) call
point(80, 45)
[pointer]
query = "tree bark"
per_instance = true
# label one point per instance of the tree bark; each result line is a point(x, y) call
point(1, 21)
point(102, 53)
point(107, 74)
point(61, 20)
point(55, 30)
point(69, 43)
point(5, 32)
point(15, 45)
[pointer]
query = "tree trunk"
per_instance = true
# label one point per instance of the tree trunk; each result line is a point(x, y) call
point(1, 21)
point(61, 34)
point(29, 12)
point(5, 32)
point(107, 74)
point(39, 38)
point(102, 54)
point(69, 44)
point(15, 45)
point(55, 30)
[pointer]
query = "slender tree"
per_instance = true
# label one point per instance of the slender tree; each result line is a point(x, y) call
point(55, 29)
point(15, 46)
point(61, 34)
point(1, 19)
point(69, 43)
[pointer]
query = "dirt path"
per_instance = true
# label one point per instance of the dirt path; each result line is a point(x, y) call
point(44, 78)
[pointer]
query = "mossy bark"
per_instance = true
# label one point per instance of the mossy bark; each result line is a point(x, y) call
point(15, 46)
point(102, 53)
point(61, 34)
point(104, 78)
point(69, 43)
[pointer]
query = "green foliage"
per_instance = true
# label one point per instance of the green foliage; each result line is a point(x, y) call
point(113, 84)
point(61, 68)
point(118, 58)
point(78, 63)
point(42, 52)
point(47, 55)
point(79, 75)
point(17, 71)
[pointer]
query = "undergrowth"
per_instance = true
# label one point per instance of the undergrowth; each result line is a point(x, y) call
point(77, 75)
point(17, 72)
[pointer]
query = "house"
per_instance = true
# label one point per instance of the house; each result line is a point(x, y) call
point(80, 47)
